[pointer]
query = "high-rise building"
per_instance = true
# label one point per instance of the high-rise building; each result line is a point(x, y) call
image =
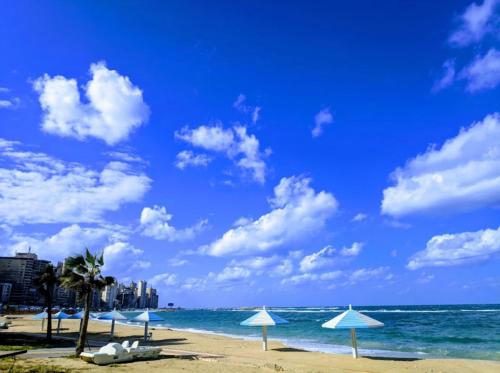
point(141, 294)
point(108, 296)
point(20, 271)
point(152, 298)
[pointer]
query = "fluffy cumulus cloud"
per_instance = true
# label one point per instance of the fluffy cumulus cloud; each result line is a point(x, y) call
point(235, 143)
point(458, 249)
point(463, 174)
point(477, 20)
point(163, 280)
point(120, 257)
point(155, 223)
point(484, 72)
point(37, 188)
point(231, 274)
point(297, 212)
point(328, 256)
point(321, 119)
point(113, 108)
point(187, 158)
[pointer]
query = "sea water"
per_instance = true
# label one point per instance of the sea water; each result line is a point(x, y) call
point(454, 331)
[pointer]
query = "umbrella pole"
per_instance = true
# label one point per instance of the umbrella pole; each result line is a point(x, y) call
point(112, 328)
point(58, 325)
point(264, 337)
point(354, 344)
point(43, 321)
point(146, 331)
point(80, 329)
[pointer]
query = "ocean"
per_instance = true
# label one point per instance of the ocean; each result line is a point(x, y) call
point(452, 331)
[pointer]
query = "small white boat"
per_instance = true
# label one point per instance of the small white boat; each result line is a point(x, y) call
point(120, 353)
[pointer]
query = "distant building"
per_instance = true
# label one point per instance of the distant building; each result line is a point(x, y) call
point(141, 294)
point(152, 298)
point(20, 271)
point(108, 296)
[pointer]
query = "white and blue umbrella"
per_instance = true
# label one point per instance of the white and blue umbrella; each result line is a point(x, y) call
point(41, 316)
point(146, 317)
point(113, 316)
point(353, 320)
point(264, 318)
point(60, 316)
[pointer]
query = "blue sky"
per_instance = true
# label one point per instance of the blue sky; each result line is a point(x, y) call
point(256, 153)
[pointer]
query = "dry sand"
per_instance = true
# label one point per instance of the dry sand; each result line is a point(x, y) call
point(222, 354)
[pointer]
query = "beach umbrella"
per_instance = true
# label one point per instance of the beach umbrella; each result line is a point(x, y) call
point(60, 316)
point(41, 316)
point(146, 317)
point(264, 318)
point(113, 316)
point(353, 320)
point(78, 315)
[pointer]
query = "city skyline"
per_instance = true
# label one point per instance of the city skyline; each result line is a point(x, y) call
point(325, 163)
point(19, 273)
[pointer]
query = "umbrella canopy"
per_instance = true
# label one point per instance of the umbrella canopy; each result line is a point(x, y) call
point(353, 320)
point(146, 317)
point(40, 316)
point(61, 315)
point(78, 315)
point(113, 316)
point(264, 318)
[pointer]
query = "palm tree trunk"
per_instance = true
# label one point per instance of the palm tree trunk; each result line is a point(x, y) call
point(49, 319)
point(80, 346)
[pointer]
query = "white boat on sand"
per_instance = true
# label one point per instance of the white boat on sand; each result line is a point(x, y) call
point(120, 353)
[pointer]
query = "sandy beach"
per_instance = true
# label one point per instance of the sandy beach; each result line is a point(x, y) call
point(193, 352)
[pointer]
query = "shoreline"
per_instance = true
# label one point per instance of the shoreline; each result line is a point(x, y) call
point(311, 346)
point(223, 354)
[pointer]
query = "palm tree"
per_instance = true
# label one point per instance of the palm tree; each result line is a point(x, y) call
point(83, 274)
point(46, 283)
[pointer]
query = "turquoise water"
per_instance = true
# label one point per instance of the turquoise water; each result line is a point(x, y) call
point(458, 331)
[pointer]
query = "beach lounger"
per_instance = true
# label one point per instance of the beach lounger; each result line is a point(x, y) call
point(120, 353)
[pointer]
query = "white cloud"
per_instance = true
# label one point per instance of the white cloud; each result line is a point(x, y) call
point(126, 157)
point(240, 105)
point(234, 142)
point(37, 188)
point(328, 256)
point(476, 21)
point(314, 261)
point(359, 217)
point(284, 268)
point(298, 211)
point(448, 76)
point(122, 258)
point(242, 221)
point(163, 279)
point(115, 107)
point(323, 118)
point(463, 174)
point(256, 262)
point(364, 274)
point(177, 262)
point(483, 73)
point(230, 274)
point(69, 240)
point(10, 103)
point(155, 223)
point(187, 158)
point(311, 277)
point(458, 249)
point(354, 250)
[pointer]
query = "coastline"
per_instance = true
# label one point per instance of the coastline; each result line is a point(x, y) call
point(231, 354)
